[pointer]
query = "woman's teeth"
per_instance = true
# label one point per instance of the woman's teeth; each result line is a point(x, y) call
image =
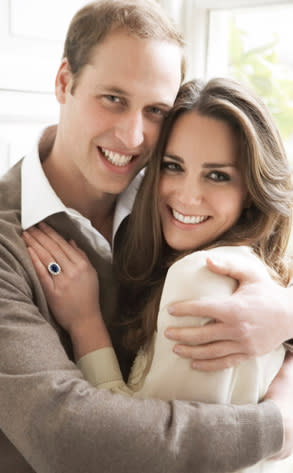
point(116, 158)
point(188, 218)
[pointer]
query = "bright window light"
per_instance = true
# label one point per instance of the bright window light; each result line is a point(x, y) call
point(254, 45)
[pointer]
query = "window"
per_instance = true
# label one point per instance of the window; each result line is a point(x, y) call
point(216, 31)
point(30, 53)
point(254, 45)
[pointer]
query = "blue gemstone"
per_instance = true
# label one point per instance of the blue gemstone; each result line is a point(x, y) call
point(54, 268)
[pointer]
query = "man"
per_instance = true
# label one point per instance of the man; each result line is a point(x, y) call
point(119, 76)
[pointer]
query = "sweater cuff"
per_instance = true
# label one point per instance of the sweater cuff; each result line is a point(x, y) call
point(100, 367)
point(272, 431)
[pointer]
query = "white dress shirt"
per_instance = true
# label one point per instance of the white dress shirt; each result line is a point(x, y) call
point(39, 201)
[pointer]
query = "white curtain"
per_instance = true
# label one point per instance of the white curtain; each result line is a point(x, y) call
point(192, 21)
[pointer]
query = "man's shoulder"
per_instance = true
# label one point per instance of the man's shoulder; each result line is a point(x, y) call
point(10, 203)
point(10, 195)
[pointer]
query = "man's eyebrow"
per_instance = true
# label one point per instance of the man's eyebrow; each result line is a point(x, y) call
point(117, 91)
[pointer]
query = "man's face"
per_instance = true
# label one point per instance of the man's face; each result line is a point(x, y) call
point(116, 110)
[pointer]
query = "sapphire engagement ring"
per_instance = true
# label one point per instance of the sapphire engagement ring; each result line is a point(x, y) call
point(54, 268)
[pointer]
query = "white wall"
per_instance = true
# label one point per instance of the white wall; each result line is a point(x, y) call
point(31, 42)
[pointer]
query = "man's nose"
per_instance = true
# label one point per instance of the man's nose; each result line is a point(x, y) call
point(130, 130)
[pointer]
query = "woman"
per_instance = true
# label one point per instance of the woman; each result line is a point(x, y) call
point(217, 184)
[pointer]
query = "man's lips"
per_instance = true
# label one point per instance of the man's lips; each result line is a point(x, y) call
point(117, 159)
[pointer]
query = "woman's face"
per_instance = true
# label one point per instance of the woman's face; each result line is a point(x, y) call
point(202, 191)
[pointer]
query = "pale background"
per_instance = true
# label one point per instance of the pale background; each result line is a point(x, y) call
point(31, 41)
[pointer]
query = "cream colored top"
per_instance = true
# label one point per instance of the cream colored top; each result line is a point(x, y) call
point(159, 373)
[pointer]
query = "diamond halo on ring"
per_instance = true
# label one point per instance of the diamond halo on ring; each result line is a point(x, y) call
point(54, 268)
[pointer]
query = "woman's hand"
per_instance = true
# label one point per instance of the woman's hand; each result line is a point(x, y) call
point(73, 294)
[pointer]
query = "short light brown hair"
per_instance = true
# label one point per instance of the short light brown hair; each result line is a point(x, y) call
point(145, 19)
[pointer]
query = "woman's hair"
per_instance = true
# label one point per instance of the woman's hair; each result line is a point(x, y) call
point(145, 19)
point(144, 257)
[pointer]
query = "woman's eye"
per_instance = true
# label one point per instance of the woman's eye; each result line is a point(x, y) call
point(219, 176)
point(170, 166)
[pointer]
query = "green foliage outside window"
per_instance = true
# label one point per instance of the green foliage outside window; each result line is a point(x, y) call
point(261, 69)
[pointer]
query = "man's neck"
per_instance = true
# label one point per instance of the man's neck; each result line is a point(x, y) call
point(98, 208)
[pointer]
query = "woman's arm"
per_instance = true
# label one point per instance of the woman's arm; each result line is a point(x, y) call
point(171, 376)
point(73, 297)
point(73, 294)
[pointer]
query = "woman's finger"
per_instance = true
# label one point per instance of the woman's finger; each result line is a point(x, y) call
point(51, 236)
point(43, 253)
point(80, 251)
point(41, 270)
point(48, 250)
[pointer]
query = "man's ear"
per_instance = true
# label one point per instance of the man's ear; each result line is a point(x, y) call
point(63, 82)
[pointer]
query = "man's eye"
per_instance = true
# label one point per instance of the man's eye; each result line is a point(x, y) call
point(219, 176)
point(158, 112)
point(113, 98)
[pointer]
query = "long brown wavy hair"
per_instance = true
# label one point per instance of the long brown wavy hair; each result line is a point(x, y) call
point(143, 257)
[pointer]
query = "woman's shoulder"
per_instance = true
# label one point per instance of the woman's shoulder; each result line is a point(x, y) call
point(228, 253)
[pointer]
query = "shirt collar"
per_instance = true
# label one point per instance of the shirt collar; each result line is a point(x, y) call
point(39, 200)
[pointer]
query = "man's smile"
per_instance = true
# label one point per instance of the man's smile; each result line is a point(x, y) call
point(116, 158)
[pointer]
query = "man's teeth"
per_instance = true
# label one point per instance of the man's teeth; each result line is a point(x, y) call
point(188, 218)
point(116, 158)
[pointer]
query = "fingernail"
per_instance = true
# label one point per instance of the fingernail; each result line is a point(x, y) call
point(178, 350)
point(195, 365)
point(168, 333)
point(171, 309)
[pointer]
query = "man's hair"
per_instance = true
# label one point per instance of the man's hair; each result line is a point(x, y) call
point(145, 19)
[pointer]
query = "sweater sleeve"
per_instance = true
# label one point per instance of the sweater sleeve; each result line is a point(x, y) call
point(101, 369)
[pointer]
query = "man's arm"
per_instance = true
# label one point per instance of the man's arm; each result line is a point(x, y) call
point(58, 422)
point(278, 392)
point(256, 319)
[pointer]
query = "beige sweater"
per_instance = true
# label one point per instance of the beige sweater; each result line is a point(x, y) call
point(53, 421)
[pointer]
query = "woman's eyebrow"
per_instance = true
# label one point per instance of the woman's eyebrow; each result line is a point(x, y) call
point(173, 156)
point(219, 165)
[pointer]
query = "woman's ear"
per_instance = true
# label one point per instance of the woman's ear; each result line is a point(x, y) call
point(63, 82)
